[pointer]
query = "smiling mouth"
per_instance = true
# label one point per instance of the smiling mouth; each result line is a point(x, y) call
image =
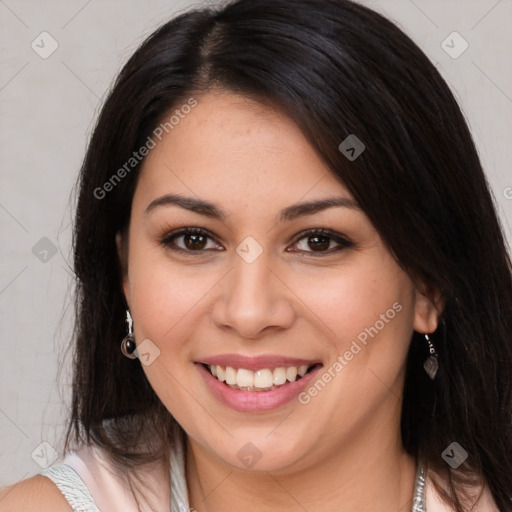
point(265, 379)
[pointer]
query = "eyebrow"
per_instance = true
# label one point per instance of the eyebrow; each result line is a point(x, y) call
point(208, 209)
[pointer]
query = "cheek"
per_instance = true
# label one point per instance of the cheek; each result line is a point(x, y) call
point(366, 315)
point(359, 301)
point(165, 302)
point(161, 299)
point(168, 299)
point(153, 289)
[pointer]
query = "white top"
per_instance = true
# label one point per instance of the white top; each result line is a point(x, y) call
point(90, 483)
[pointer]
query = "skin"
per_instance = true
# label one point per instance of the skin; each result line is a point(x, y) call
point(341, 451)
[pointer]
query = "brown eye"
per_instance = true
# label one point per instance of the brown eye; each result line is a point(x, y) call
point(316, 242)
point(322, 241)
point(319, 242)
point(189, 240)
point(194, 241)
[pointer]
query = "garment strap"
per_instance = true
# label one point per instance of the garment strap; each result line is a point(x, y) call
point(72, 487)
point(179, 492)
point(419, 498)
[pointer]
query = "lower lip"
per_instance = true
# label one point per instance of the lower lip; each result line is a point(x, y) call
point(255, 401)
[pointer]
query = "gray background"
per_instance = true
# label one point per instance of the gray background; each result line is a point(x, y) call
point(47, 108)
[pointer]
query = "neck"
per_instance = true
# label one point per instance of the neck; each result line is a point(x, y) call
point(354, 477)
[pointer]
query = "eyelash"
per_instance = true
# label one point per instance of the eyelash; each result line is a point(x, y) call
point(167, 240)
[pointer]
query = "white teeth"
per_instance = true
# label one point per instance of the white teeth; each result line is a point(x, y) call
point(260, 380)
point(279, 376)
point(291, 373)
point(244, 378)
point(263, 379)
point(230, 375)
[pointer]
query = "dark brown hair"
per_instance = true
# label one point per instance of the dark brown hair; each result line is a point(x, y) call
point(336, 68)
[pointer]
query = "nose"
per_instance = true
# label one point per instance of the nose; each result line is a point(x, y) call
point(253, 300)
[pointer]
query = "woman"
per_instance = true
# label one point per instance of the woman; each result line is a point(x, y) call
point(283, 217)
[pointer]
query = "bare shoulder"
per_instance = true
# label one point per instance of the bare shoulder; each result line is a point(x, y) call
point(36, 493)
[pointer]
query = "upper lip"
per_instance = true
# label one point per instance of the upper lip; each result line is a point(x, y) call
point(256, 362)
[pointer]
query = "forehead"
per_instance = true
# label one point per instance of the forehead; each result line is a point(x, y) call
point(232, 150)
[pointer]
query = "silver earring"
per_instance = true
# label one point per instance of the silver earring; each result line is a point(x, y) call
point(128, 344)
point(431, 364)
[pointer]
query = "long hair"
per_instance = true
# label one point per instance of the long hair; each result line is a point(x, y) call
point(336, 68)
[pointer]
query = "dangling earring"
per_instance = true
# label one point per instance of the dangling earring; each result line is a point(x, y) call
point(431, 364)
point(128, 344)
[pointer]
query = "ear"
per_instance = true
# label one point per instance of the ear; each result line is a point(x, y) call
point(428, 306)
point(122, 254)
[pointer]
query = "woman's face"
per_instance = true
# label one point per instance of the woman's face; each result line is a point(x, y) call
point(257, 298)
